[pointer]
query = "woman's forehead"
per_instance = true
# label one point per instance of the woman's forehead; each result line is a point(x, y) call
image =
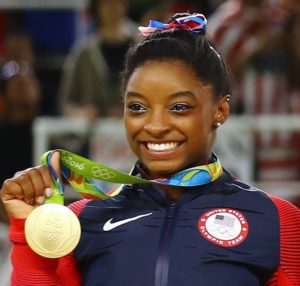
point(171, 77)
point(161, 71)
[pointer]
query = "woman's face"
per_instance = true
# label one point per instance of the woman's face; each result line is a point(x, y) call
point(170, 117)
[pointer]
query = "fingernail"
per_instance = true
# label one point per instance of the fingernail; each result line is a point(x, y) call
point(48, 192)
point(40, 200)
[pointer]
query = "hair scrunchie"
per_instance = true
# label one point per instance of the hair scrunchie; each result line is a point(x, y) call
point(195, 23)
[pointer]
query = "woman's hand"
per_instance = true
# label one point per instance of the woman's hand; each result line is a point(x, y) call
point(28, 189)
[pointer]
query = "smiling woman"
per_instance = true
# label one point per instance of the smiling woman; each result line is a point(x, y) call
point(197, 219)
point(165, 106)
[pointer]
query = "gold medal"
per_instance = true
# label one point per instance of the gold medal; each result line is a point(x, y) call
point(52, 230)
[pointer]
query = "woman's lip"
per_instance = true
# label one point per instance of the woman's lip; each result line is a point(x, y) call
point(160, 153)
point(161, 147)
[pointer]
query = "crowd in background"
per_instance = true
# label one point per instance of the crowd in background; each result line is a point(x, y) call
point(67, 63)
point(260, 40)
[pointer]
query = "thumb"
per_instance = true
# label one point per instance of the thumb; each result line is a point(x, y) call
point(56, 194)
point(54, 166)
point(55, 163)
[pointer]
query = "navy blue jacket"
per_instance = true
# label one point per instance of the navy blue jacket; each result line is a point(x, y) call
point(223, 233)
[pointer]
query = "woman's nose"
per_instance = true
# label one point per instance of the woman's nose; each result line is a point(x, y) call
point(157, 125)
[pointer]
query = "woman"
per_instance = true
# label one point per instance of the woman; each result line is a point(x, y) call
point(217, 232)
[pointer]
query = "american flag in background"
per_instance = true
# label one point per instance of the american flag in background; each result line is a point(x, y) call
point(224, 220)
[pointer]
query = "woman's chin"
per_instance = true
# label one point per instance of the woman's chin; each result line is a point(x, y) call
point(161, 169)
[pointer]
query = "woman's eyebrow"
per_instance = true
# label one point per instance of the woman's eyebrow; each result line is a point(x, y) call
point(133, 94)
point(183, 93)
point(176, 94)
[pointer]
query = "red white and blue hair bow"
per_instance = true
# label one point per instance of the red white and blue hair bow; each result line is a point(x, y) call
point(195, 23)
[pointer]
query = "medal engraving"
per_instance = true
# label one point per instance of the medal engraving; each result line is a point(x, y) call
point(52, 230)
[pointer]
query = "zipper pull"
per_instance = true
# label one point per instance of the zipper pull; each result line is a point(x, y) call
point(171, 210)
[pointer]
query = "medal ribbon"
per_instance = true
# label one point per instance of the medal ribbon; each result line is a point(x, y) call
point(80, 172)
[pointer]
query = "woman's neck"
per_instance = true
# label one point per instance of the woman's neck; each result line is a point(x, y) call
point(172, 193)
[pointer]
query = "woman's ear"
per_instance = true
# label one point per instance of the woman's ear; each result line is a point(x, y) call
point(222, 111)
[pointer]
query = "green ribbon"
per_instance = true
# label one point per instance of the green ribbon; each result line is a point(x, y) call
point(80, 172)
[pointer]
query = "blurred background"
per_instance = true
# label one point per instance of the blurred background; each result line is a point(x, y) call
point(60, 63)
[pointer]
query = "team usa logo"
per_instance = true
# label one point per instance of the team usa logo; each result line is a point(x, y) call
point(224, 227)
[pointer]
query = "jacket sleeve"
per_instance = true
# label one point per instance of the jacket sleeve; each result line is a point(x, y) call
point(288, 272)
point(30, 268)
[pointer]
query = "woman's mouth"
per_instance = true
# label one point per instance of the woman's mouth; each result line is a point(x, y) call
point(162, 147)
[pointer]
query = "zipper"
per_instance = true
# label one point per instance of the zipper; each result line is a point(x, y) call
point(162, 264)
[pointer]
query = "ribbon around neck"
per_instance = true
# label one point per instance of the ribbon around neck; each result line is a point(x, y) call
point(195, 23)
point(80, 172)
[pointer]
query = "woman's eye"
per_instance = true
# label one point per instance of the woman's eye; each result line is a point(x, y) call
point(181, 107)
point(136, 107)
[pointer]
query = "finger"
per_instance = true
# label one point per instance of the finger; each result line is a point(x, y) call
point(39, 184)
point(23, 180)
point(11, 190)
point(46, 176)
point(48, 180)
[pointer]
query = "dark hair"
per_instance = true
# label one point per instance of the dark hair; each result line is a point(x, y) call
point(189, 47)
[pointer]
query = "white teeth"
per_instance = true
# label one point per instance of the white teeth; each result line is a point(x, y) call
point(162, 147)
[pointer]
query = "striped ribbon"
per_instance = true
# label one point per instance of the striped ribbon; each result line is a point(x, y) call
point(195, 23)
point(81, 172)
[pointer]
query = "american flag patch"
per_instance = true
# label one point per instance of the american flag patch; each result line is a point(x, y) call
point(225, 220)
